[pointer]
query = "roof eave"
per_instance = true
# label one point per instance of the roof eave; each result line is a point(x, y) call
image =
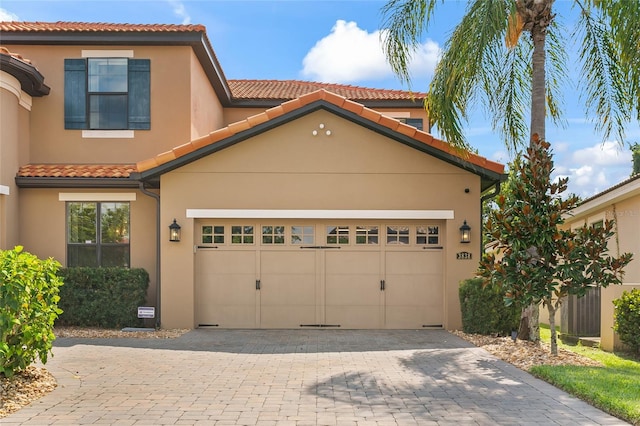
point(31, 81)
point(489, 177)
point(369, 103)
point(615, 194)
point(69, 182)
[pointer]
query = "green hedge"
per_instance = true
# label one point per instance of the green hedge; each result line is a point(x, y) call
point(484, 310)
point(102, 297)
point(627, 318)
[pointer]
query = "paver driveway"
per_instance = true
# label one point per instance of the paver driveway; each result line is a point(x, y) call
point(305, 377)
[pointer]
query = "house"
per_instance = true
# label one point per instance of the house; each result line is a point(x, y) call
point(620, 203)
point(252, 204)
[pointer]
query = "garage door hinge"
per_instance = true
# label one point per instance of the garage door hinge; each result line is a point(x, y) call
point(382, 285)
point(257, 284)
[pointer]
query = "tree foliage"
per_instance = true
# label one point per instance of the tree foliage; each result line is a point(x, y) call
point(28, 309)
point(510, 55)
point(627, 318)
point(535, 259)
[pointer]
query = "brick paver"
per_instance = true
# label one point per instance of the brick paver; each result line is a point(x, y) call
point(296, 377)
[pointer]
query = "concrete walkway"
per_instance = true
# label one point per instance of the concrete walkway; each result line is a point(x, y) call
point(296, 377)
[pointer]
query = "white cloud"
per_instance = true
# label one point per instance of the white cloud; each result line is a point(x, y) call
point(180, 11)
point(350, 54)
point(5, 15)
point(595, 168)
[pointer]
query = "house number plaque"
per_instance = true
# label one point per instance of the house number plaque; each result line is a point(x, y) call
point(463, 255)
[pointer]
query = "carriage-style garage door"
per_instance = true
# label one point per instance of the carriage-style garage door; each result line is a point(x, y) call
point(278, 274)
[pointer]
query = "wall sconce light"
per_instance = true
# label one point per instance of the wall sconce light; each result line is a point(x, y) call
point(174, 232)
point(465, 233)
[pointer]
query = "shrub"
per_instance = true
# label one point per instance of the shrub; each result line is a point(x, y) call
point(627, 318)
point(103, 297)
point(484, 310)
point(28, 308)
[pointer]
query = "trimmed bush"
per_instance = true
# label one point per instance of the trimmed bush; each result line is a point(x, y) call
point(28, 308)
point(484, 310)
point(627, 318)
point(103, 297)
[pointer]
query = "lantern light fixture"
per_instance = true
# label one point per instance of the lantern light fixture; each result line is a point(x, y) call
point(465, 233)
point(174, 232)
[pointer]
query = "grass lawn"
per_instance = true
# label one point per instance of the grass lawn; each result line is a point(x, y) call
point(614, 388)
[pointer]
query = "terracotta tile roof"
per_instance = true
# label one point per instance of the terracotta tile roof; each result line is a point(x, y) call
point(290, 89)
point(318, 95)
point(77, 170)
point(5, 51)
point(62, 26)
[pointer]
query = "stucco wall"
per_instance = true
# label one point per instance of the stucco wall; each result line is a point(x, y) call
point(14, 136)
point(206, 110)
point(170, 108)
point(289, 168)
point(626, 213)
point(43, 228)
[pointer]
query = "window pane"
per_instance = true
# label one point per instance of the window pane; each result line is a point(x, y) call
point(366, 235)
point(82, 255)
point(302, 234)
point(81, 223)
point(337, 235)
point(114, 222)
point(397, 235)
point(117, 255)
point(108, 112)
point(108, 75)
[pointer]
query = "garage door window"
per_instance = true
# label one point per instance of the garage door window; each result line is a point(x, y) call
point(273, 235)
point(397, 235)
point(366, 235)
point(302, 235)
point(212, 234)
point(242, 234)
point(337, 235)
point(427, 235)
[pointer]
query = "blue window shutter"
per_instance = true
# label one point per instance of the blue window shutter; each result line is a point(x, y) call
point(139, 94)
point(75, 94)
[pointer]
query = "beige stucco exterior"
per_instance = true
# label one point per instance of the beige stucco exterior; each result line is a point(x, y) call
point(289, 168)
point(621, 204)
point(182, 105)
point(319, 152)
point(15, 110)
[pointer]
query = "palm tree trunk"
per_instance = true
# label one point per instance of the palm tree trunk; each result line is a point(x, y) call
point(529, 319)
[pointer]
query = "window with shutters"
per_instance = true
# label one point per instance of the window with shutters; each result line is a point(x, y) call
point(107, 94)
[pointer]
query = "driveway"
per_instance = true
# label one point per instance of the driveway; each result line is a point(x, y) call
point(296, 377)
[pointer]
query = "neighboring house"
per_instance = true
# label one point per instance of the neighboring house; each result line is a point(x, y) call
point(300, 204)
point(622, 204)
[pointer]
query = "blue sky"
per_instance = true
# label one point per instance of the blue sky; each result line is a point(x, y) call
point(338, 42)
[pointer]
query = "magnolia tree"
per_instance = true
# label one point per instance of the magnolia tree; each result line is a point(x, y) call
point(535, 261)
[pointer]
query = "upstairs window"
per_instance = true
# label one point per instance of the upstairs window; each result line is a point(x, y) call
point(415, 122)
point(107, 94)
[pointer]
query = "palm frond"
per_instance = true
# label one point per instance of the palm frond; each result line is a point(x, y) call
point(404, 22)
point(556, 74)
point(624, 16)
point(604, 79)
point(464, 63)
point(507, 88)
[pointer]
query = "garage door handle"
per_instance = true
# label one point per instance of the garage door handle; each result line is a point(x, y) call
point(257, 284)
point(382, 285)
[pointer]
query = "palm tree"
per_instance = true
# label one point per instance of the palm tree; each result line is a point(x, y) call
point(510, 54)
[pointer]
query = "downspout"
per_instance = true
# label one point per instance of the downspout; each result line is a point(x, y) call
point(157, 198)
point(484, 198)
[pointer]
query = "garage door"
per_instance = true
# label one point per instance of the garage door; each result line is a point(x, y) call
point(361, 274)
